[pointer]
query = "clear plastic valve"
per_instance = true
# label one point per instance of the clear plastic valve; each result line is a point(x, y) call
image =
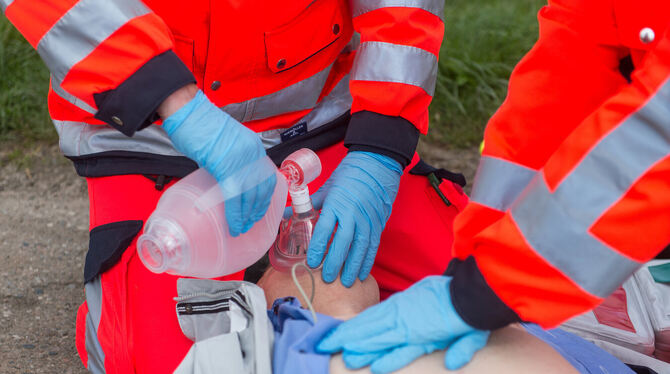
point(295, 233)
point(300, 168)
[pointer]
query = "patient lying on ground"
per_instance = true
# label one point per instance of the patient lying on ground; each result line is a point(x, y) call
point(509, 350)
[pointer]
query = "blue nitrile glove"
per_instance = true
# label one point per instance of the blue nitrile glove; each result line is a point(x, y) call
point(224, 147)
point(357, 198)
point(409, 324)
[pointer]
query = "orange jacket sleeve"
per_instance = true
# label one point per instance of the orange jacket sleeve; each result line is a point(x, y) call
point(569, 233)
point(393, 76)
point(101, 52)
point(572, 69)
point(395, 69)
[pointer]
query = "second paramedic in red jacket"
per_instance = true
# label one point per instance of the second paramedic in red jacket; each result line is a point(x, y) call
point(570, 198)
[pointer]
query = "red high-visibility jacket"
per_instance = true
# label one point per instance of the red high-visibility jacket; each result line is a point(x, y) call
point(282, 68)
point(572, 192)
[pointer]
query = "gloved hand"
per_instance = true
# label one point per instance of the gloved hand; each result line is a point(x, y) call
point(357, 198)
point(224, 147)
point(402, 328)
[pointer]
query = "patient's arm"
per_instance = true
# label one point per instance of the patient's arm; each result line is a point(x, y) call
point(509, 350)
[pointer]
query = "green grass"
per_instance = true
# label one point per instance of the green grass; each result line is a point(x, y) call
point(484, 40)
point(24, 82)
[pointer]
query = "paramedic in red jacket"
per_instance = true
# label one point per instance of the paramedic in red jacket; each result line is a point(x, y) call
point(296, 75)
point(570, 198)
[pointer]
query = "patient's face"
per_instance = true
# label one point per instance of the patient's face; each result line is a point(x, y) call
point(329, 298)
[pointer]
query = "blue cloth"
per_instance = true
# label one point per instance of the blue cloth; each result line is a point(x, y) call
point(357, 199)
point(583, 355)
point(296, 336)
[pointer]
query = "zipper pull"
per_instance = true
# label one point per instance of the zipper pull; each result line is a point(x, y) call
point(435, 182)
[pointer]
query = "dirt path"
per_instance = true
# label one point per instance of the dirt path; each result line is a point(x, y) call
point(43, 243)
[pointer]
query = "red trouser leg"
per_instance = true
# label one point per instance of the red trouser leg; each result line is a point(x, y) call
point(417, 239)
point(128, 322)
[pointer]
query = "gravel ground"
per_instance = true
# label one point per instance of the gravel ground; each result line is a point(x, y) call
point(43, 242)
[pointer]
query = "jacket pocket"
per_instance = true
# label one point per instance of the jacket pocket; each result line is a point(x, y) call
point(106, 245)
point(316, 28)
point(185, 50)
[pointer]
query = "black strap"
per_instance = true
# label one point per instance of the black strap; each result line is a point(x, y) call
point(109, 163)
point(422, 168)
point(160, 180)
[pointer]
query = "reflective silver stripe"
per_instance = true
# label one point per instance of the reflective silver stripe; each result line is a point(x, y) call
point(557, 224)
point(498, 182)
point(563, 241)
point(78, 139)
point(298, 96)
point(55, 85)
point(387, 62)
point(4, 4)
point(433, 6)
point(82, 29)
point(330, 108)
point(96, 356)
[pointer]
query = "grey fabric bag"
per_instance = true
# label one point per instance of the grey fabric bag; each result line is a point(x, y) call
point(228, 323)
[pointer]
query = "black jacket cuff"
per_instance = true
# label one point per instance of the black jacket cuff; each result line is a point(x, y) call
point(132, 105)
point(394, 137)
point(474, 300)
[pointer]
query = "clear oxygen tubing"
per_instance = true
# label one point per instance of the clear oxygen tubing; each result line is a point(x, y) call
point(300, 168)
point(309, 300)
